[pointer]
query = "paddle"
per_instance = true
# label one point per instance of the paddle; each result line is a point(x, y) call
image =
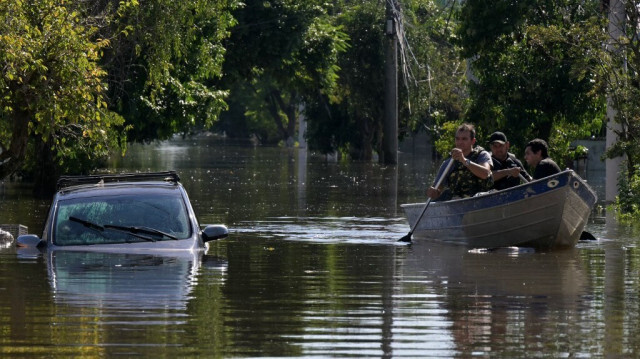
point(407, 238)
point(584, 236)
point(522, 178)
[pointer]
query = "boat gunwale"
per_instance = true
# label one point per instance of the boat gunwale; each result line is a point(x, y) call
point(488, 195)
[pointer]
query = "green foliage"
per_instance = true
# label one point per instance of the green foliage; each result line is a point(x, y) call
point(438, 92)
point(256, 104)
point(52, 90)
point(280, 53)
point(580, 152)
point(73, 72)
point(627, 203)
point(537, 66)
point(622, 77)
point(349, 121)
point(623, 82)
point(163, 63)
point(445, 138)
point(431, 78)
point(563, 135)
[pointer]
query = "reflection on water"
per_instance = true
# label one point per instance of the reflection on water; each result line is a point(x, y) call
point(501, 298)
point(122, 281)
point(312, 268)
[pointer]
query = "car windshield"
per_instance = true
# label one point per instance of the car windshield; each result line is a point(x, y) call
point(121, 219)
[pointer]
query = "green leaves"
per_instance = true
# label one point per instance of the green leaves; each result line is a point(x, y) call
point(536, 63)
point(52, 86)
point(165, 64)
point(281, 53)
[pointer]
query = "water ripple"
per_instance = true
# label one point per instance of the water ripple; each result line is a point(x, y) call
point(326, 229)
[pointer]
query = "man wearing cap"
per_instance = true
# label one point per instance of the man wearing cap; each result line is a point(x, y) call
point(506, 168)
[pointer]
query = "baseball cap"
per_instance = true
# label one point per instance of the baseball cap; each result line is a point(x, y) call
point(498, 137)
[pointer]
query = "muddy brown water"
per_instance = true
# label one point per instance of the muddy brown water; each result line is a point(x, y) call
point(312, 268)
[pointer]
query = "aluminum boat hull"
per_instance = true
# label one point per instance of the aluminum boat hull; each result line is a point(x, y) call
point(547, 213)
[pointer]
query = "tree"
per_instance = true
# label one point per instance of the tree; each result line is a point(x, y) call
point(52, 94)
point(537, 66)
point(351, 120)
point(432, 78)
point(622, 78)
point(165, 59)
point(74, 71)
point(281, 52)
point(439, 92)
point(623, 83)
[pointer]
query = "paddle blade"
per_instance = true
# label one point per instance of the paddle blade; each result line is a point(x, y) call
point(406, 238)
point(586, 236)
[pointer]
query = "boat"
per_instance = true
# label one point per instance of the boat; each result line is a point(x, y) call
point(547, 213)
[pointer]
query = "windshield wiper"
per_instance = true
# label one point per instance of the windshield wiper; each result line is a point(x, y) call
point(136, 230)
point(86, 223)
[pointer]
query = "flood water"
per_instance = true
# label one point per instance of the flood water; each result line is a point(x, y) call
point(312, 268)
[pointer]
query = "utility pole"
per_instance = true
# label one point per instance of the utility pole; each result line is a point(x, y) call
point(390, 127)
point(613, 165)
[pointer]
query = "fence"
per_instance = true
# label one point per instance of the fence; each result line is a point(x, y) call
point(15, 229)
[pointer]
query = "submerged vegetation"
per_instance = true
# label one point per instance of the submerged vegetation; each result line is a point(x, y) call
point(82, 79)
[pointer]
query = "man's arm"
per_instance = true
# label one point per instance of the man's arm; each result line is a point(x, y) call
point(482, 169)
point(507, 172)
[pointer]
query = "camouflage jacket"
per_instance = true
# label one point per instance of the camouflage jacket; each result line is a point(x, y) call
point(463, 183)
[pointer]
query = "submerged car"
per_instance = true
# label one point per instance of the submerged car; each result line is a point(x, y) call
point(123, 212)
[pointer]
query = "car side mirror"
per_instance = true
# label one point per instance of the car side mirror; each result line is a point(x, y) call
point(29, 241)
point(214, 232)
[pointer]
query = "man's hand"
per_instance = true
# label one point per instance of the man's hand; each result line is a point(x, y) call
point(457, 155)
point(514, 171)
point(433, 193)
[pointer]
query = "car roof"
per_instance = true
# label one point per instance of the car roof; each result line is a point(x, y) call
point(166, 176)
point(119, 184)
point(114, 189)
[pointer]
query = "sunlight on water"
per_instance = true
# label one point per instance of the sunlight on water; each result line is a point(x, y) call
point(313, 268)
point(327, 229)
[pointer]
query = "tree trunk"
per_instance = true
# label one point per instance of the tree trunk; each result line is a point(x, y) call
point(363, 149)
point(292, 116)
point(47, 172)
point(274, 108)
point(11, 159)
point(277, 105)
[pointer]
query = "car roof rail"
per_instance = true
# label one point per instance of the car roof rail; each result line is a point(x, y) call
point(167, 176)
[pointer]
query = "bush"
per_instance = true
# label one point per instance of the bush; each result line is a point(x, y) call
point(627, 203)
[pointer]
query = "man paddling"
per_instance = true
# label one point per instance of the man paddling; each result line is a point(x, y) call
point(471, 172)
point(507, 168)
